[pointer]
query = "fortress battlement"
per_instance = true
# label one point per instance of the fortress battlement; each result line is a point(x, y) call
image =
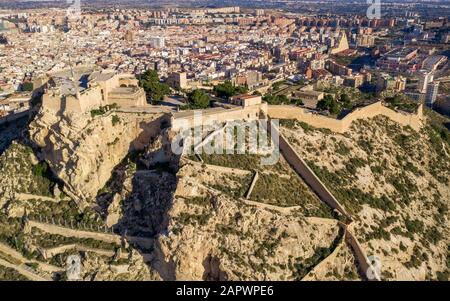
point(82, 89)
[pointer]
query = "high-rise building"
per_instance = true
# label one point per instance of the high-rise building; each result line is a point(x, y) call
point(425, 77)
point(337, 69)
point(259, 12)
point(432, 92)
point(387, 82)
point(158, 42)
point(365, 40)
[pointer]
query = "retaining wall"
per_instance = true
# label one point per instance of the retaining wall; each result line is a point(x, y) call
point(252, 185)
point(49, 253)
point(323, 263)
point(325, 195)
point(109, 238)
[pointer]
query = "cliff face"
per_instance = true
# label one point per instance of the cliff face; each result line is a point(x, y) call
point(21, 173)
point(216, 235)
point(82, 150)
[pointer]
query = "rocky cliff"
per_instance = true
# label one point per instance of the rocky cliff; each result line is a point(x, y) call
point(217, 235)
point(82, 150)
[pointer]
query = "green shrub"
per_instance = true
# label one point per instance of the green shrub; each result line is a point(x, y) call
point(115, 120)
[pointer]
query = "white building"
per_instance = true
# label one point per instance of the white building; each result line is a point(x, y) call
point(158, 42)
point(425, 77)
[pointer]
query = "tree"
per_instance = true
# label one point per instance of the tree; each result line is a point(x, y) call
point(227, 89)
point(297, 102)
point(325, 103)
point(330, 104)
point(198, 99)
point(335, 107)
point(27, 86)
point(150, 76)
point(345, 100)
point(276, 86)
point(154, 89)
point(276, 99)
point(240, 90)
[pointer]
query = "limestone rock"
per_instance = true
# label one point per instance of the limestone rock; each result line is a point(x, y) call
point(82, 150)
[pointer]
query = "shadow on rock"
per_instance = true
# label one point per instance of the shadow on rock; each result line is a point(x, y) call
point(136, 199)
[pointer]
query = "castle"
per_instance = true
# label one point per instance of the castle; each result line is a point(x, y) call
point(82, 89)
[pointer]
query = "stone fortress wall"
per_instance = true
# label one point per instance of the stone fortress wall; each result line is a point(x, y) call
point(343, 125)
point(103, 89)
point(49, 253)
point(302, 168)
point(186, 120)
point(308, 175)
point(99, 94)
point(183, 120)
point(105, 237)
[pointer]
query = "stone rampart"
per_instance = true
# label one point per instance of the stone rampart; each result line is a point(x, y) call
point(343, 125)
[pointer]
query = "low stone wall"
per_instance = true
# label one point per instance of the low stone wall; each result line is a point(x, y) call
point(186, 120)
point(250, 190)
point(109, 238)
point(22, 269)
point(343, 125)
point(361, 257)
point(325, 195)
point(309, 176)
point(49, 253)
point(217, 168)
point(53, 229)
point(323, 263)
point(29, 197)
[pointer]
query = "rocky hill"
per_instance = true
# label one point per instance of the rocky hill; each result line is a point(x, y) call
point(215, 234)
point(395, 182)
point(83, 149)
point(106, 187)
